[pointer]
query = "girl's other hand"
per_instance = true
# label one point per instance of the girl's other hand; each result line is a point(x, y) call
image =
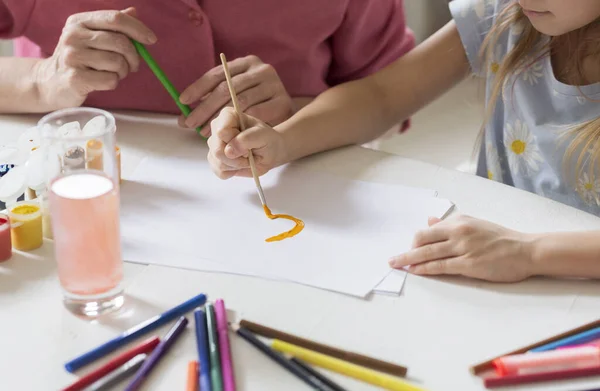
point(470, 247)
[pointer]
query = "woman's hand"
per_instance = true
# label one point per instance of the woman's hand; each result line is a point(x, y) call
point(94, 53)
point(259, 90)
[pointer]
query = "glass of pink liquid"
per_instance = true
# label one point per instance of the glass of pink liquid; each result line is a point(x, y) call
point(83, 195)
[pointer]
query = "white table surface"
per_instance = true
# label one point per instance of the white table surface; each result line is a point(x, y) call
point(438, 327)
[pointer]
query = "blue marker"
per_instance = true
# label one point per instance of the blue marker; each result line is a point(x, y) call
point(135, 332)
point(576, 339)
point(202, 343)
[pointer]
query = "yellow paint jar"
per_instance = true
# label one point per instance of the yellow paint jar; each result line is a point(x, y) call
point(94, 156)
point(26, 230)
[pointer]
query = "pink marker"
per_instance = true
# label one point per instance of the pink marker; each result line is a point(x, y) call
point(560, 359)
point(224, 349)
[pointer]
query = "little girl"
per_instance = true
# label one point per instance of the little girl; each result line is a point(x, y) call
point(542, 132)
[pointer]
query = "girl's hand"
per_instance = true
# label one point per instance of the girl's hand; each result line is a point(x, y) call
point(257, 85)
point(470, 247)
point(228, 147)
point(94, 53)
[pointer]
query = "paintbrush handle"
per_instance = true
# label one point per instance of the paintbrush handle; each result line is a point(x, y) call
point(240, 115)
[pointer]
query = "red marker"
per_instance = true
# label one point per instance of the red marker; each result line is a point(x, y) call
point(512, 380)
point(145, 347)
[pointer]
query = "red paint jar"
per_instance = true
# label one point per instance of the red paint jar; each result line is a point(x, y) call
point(5, 242)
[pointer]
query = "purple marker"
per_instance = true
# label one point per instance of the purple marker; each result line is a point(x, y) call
point(157, 354)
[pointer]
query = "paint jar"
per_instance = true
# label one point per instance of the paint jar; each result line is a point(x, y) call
point(29, 141)
point(5, 241)
point(93, 155)
point(30, 194)
point(74, 159)
point(26, 225)
point(43, 164)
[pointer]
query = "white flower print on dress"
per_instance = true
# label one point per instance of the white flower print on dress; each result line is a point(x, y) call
point(523, 152)
point(494, 170)
point(589, 189)
point(534, 72)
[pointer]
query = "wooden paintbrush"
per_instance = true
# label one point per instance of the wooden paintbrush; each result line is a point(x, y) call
point(236, 106)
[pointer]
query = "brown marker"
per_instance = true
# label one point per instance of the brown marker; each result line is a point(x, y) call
point(355, 358)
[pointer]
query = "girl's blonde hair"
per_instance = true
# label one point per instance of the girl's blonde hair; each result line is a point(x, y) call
point(529, 49)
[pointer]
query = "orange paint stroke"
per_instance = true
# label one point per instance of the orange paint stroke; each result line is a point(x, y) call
point(288, 234)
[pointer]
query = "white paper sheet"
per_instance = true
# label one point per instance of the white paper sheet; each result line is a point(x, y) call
point(393, 283)
point(175, 212)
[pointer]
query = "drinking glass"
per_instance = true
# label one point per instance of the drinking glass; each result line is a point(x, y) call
point(83, 202)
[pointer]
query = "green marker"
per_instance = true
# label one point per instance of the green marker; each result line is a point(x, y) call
point(160, 75)
point(213, 348)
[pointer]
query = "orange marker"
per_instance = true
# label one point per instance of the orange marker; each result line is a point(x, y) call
point(192, 376)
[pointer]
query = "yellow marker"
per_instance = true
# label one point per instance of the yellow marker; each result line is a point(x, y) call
point(26, 226)
point(345, 368)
